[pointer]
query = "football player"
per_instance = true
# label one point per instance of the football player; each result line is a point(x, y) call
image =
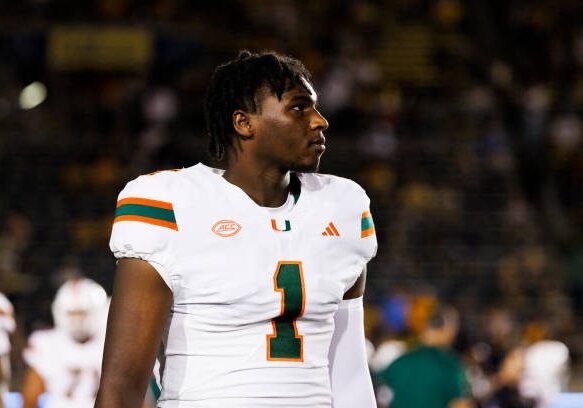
point(247, 281)
point(65, 362)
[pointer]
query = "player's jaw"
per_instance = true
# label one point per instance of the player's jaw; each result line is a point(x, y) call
point(309, 153)
point(314, 143)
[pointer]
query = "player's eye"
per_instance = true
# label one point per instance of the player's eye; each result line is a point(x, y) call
point(300, 107)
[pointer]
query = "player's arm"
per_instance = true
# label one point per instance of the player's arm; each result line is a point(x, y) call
point(349, 376)
point(4, 374)
point(32, 388)
point(139, 308)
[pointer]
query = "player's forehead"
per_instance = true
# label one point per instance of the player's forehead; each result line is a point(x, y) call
point(302, 90)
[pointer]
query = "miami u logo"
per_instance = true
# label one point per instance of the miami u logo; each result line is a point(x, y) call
point(276, 228)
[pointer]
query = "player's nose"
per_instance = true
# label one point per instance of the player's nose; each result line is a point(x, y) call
point(318, 121)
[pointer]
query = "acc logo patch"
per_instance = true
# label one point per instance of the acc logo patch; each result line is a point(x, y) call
point(226, 228)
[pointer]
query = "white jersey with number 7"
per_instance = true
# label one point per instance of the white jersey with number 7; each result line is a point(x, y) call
point(70, 370)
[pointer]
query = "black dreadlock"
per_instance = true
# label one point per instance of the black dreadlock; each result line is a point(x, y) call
point(234, 86)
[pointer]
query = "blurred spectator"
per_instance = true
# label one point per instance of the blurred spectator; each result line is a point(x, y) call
point(15, 237)
point(501, 333)
point(430, 375)
point(505, 392)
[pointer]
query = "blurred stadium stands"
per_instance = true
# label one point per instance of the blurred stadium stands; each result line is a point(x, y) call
point(462, 119)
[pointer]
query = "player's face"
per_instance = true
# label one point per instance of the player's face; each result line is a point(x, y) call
point(289, 132)
point(78, 321)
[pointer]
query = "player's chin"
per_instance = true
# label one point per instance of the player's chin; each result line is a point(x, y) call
point(309, 165)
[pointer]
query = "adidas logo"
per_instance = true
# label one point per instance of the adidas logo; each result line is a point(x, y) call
point(331, 231)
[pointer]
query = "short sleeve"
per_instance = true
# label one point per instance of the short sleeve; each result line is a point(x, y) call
point(363, 230)
point(367, 230)
point(36, 354)
point(7, 323)
point(144, 224)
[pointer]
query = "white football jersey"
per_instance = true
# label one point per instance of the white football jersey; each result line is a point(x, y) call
point(255, 290)
point(7, 324)
point(70, 370)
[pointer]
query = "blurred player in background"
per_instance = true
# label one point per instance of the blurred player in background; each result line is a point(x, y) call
point(7, 326)
point(65, 362)
point(247, 282)
point(430, 375)
point(546, 365)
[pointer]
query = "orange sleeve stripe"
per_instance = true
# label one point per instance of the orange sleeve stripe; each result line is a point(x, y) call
point(145, 201)
point(367, 232)
point(147, 220)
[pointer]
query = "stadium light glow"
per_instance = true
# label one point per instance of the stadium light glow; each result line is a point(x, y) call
point(32, 95)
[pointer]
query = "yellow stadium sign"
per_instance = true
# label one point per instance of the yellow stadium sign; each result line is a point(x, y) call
point(99, 48)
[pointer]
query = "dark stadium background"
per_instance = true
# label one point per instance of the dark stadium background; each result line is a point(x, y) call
point(462, 119)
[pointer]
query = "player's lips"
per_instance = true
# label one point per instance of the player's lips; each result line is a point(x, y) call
point(319, 143)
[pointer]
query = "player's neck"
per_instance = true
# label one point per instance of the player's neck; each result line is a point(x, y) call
point(267, 186)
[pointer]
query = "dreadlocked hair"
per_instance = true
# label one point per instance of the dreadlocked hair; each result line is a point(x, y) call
point(234, 86)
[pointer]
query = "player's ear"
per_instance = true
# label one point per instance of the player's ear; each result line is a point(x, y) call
point(242, 124)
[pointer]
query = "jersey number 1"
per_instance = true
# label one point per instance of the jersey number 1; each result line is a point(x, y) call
point(285, 344)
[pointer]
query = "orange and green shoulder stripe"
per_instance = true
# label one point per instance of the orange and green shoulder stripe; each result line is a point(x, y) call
point(160, 213)
point(366, 225)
